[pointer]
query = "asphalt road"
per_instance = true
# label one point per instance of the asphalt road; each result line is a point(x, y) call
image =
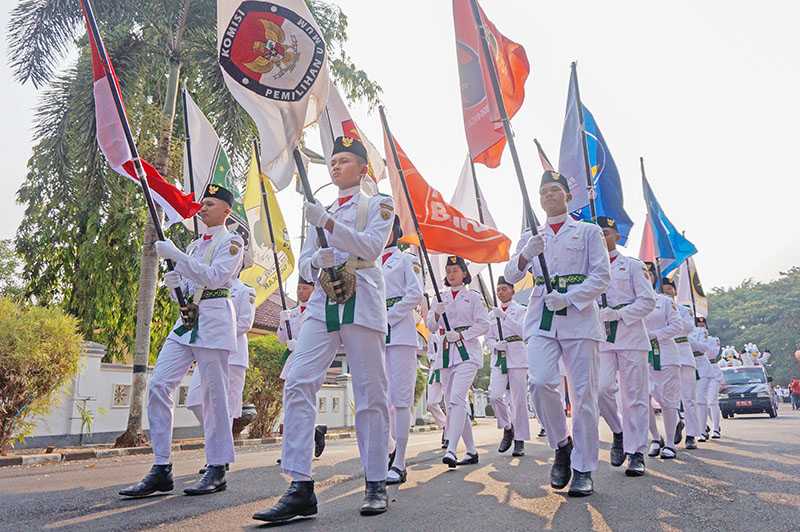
point(748, 481)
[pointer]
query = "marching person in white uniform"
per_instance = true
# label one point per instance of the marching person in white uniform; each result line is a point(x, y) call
point(686, 368)
point(509, 370)
point(244, 298)
point(206, 334)
point(630, 299)
point(705, 349)
point(462, 355)
point(348, 309)
point(401, 273)
point(564, 325)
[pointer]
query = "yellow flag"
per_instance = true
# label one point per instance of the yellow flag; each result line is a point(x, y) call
point(262, 275)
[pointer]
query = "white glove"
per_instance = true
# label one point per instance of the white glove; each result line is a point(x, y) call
point(316, 214)
point(497, 314)
point(501, 345)
point(609, 314)
point(452, 336)
point(555, 301)
point(291, 344)
point(285, 315)
point(438, 307)
point(533, 247)
point(167, 250)
point(173, 279)
point(323, 258)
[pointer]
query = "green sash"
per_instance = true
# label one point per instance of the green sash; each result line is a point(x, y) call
point(285, 357)
point(654, 356)
point(332, 322)
point(681, 340)
point(462, 349)
point(560, 284)
point(436, 376)
point(612, 326)
point(218, 293)
point(389, 304)
point(502, 361)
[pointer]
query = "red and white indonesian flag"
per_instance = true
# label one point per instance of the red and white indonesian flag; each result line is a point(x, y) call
point(111, 138)
point(274, 62)
point(336, 122)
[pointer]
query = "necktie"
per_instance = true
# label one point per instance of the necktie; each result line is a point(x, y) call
point(556, 227)
point(344, 199)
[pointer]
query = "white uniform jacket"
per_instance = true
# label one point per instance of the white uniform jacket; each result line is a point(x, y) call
point(577, 249)
point(703, 348)
point(682, 340)
point(211, 264)
point(403, 293)
point(663, 324)
point(244, 304)
point(347, 241)
point(467, 314)
point(297, 316)
point(631, 293)
point(512, 321)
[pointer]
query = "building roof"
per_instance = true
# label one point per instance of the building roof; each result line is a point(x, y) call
point(268, 313)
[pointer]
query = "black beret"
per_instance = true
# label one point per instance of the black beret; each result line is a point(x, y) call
point(452, 260)
point(300, 280)
point(349, 145)
point(220, 193)
point(550, 176)
point(607, 223)
point(668, 281)
point(502, 280)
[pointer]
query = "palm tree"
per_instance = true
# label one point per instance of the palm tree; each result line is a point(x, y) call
point(78, 211)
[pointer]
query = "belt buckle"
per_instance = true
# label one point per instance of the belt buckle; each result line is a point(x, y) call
point(562, 282)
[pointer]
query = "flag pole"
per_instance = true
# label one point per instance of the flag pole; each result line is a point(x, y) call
point(691, 283)
point(526, 202)
point(189, 164)
point(265, 202)
point(407, 195)
point(481, 220)
point(589, 177)
point(659, 288)
point(126, 128)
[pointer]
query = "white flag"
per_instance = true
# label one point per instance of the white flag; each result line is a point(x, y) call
point(690, 291)
point(274, 62)
point(336, 122)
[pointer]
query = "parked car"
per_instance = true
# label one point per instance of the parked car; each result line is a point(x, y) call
point(746, 390)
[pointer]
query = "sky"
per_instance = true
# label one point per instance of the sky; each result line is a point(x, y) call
point(705, 91)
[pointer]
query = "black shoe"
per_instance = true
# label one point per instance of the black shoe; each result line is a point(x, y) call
point(679, 432)
point(635, 465)
point(582, 485)
point(508, 438)
point(298, 501)
point(391, 458)
point(211, 482)
point(561, 471)
point(690, 443)
point(401, 476)
point(449, 459)
point(227, 468)
point(158, 479)
point(319, 439)
point(617, 452)
point(470, 459)
point(655, 447)
point(542, 433)
point(519, 448)
point(445, 443)
point(376, 500)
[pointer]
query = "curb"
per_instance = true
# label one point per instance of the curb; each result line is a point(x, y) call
point(91, 454)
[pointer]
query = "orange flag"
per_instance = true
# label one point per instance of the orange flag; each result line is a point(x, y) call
point(444, 228)
point(485, 135)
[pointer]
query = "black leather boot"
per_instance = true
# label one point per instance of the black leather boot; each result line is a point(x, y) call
point(227, 468)
point(582, 485)
point(635, 465)
point(679, 431)
point(690, 443)
point(159, 479)
point(212, 481)
point(617, 452)
point(391, 459)
point(519, 448)
point(299, 501)
point(319, 439)
point(508, 438)
point(561, 471)
point(445, 442)
point(376, 500)
point(469, 459)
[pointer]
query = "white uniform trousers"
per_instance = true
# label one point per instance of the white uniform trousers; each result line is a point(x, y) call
point(688, 383)
point(667, 391)
point(316, 348)
point(508, 394)
point(580, 360)
point(634, 395)
point(459, 379)
point(401, 373)
point(173, 362)
point(708, 402)
point(236, 376)
point(435, 396)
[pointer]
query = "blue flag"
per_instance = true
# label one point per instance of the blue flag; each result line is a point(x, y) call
point(608, 189)
point(673, 247)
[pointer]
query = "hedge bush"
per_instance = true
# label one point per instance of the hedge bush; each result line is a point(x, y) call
point(263, 386)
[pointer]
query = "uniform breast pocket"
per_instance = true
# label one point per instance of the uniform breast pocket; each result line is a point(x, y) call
point(575, 254)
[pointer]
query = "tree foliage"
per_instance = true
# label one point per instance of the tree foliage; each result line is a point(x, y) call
point(767, 314)
point(263, 386)
point(80, 239)
point(39, 352)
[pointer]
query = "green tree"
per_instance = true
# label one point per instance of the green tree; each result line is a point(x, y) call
point(263, 386)
point(10, 270)
point(85, 240)
point(767, 314)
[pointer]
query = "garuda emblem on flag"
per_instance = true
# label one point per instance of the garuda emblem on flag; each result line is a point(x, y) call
point(272, 50)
